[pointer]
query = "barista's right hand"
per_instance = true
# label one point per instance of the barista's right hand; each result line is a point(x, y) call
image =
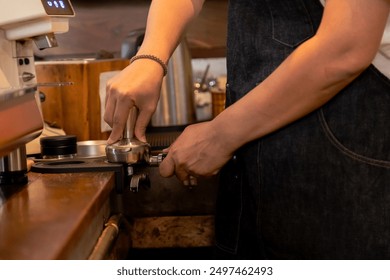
point(139, 85)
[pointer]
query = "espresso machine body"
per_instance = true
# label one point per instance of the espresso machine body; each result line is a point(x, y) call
point(23, 23)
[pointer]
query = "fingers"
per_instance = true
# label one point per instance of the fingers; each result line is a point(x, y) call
point(168, 168)
point(111, 115)
point(171, 166)
point(119, 122)
point(119, 119)
point(141, 124)
point(191, 181)
point(109, 108)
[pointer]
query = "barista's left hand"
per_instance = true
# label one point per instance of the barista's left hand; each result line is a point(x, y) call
point(197, 152)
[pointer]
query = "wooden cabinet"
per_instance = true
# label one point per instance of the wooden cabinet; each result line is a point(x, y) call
point(75, 108)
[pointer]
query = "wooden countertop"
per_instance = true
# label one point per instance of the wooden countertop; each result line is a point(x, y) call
point(55, 216)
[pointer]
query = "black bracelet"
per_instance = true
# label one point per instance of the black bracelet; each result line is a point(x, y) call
point(151, 57)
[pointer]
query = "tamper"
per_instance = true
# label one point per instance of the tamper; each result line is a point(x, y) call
point(129, 149)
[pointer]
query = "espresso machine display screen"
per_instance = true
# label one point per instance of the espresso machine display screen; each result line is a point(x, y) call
point(58, 7)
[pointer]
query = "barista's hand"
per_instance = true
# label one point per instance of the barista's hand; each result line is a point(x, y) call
point(197, 152)
point(137, 85)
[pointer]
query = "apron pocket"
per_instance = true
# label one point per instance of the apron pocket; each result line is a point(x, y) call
point(356, 121)
point(291, 22)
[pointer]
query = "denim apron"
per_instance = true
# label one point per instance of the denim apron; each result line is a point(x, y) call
point(318, 188)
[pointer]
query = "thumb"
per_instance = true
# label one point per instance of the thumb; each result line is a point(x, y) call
point(167, 167)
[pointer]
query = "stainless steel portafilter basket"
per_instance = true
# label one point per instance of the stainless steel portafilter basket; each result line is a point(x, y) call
point(129, 149)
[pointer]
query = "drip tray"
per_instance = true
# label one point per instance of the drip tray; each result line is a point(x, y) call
point(161, 140)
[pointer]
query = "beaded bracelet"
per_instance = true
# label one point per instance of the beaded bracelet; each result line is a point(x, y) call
point(152, 57)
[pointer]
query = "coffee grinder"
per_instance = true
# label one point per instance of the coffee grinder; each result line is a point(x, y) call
point(23, 23)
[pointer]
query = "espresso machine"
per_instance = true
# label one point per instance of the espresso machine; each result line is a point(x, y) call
point(24, 23)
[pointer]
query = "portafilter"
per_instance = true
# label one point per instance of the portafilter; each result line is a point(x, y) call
point(129, 149)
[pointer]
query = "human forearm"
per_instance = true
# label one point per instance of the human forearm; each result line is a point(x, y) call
point(295, 89)
point(311, 76)
point(167, 20)
point(139, 84)
point(343, 47)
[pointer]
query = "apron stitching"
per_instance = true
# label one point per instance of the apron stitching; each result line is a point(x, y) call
point(336, 143)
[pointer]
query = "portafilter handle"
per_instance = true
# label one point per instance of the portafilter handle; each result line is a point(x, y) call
point(128, 132)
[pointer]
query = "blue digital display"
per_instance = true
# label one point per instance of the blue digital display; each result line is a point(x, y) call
point(58, 7)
